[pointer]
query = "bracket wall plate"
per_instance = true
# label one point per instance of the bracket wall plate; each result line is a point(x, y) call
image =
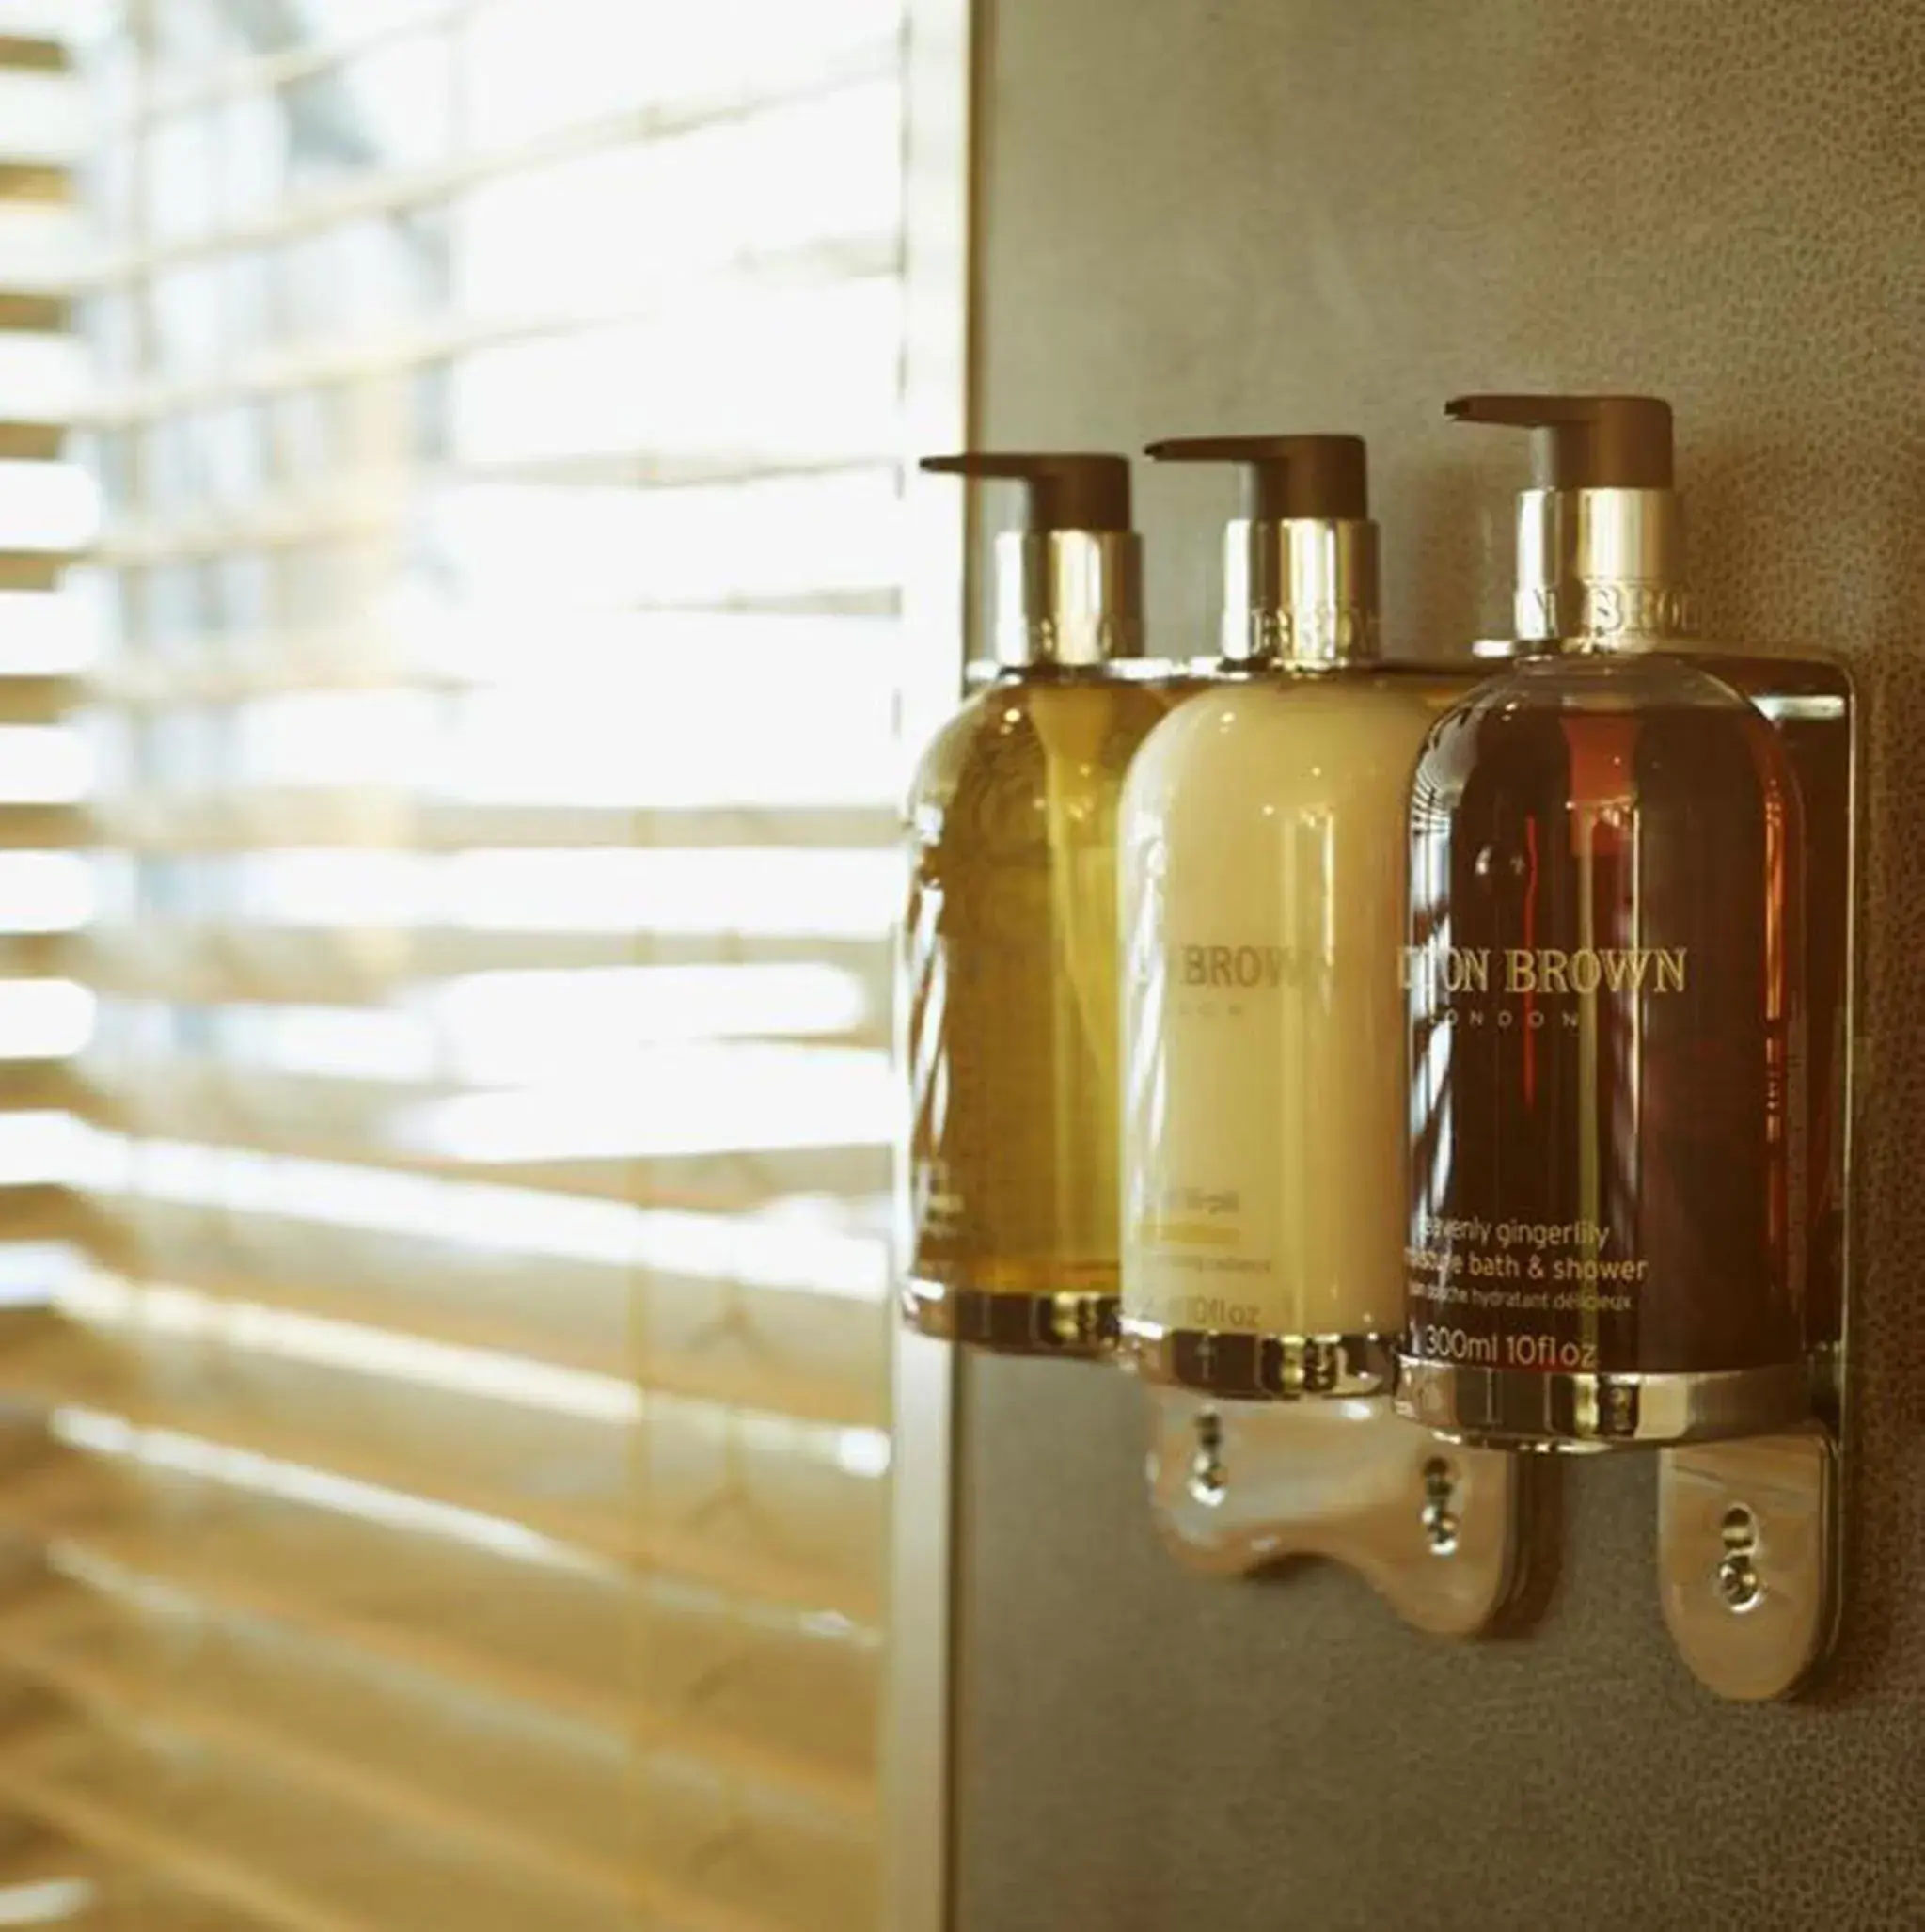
point(1239, 1487)
point(1751, 1533)
point(1748, 1558)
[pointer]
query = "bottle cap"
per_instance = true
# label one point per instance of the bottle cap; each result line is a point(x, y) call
point(1599, 538)
point(1299, 565)
point(1069, 583)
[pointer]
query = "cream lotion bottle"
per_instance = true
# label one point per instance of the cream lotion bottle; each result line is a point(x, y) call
point(1262, 912)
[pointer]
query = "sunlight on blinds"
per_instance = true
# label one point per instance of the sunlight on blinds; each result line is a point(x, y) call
point(448, 599)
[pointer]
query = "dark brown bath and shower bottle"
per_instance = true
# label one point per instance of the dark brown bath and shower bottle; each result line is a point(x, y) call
point(1603, 978)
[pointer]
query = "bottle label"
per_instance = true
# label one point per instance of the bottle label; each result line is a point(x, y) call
point(1205, 1120)
point(1518, 1295)
point(1549, 970)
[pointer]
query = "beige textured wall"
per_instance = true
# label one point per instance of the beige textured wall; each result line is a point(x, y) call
point(1207, 214)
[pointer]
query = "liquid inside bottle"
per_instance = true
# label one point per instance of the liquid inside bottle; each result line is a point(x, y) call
point(1606, 1005)
point(1263, 900)
point(1009, 1012)
point(1810, 703)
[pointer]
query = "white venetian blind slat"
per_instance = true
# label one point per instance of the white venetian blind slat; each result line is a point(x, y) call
point(626, 139)
point(448, 632)
point(29, 700)
point(734, 1684)
point(331, 820)
point(39, 828)
point(776, 1346)
point(210, 1106)
point(781, 1508)
point(271, 956)
point(329, 361)
point(289, 1846)
point(536, 1793)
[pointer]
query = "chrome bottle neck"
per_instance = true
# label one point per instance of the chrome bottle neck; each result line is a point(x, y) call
point(1068, 597)
point(1301, 592)
point(1600, 569)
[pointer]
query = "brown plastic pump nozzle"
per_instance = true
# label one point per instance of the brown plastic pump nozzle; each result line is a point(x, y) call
point(1299, 565)
point(1600, 537)
point(1067, 490)
point(1284, 476)
point(1069, 583)
point(1583, 442)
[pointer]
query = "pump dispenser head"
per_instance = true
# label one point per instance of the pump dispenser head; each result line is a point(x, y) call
point(1068, 584)
point(1299, 565)
point(1599, 538)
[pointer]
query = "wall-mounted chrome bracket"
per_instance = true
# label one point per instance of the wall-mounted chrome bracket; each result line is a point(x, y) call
point(1748, 1558)
point(1751, 1533)
point(1239, 1487)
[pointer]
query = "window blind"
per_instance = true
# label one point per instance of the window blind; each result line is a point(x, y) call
point(447, 762)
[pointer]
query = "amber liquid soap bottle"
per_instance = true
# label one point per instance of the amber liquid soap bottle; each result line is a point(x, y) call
point(1603, 978)
point(1263, 899)
point(1007, 1001)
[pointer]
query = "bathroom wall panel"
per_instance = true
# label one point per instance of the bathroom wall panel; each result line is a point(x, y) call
point(1331, 214)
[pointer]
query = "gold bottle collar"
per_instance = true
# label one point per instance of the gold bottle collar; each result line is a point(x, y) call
point(1072, 597)
point(1602, 569)
point(1301, 591)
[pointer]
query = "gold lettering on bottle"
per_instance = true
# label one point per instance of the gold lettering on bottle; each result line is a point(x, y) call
point(1543, 969)
point(1243, 968)
point(1625, 971)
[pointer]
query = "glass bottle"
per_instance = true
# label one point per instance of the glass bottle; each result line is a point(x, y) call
point(1606, 1001)
point(1008, 970)
point(1263, 892)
